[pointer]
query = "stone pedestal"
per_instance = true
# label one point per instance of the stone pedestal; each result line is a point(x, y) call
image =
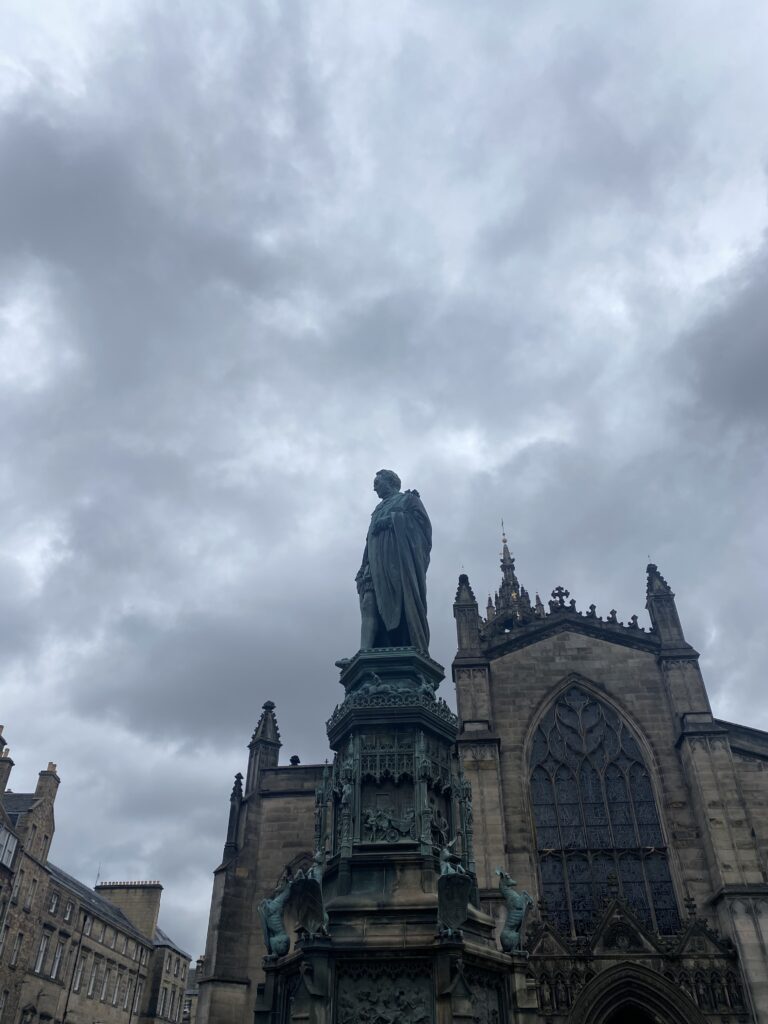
point(394, 801)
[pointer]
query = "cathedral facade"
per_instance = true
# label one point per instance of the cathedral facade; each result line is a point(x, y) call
point(585, 769)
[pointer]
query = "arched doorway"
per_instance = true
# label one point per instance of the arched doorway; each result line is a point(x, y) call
point(632, 994)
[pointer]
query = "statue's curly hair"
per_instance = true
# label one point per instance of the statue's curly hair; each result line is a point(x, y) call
point(391, 475)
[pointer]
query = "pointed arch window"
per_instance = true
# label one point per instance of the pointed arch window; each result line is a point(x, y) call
point(598, 833)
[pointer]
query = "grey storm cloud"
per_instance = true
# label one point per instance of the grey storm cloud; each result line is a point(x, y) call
point(250, 254)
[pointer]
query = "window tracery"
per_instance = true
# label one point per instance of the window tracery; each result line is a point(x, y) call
point(598, 833)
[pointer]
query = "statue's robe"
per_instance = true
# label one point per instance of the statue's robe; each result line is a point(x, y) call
point(397, 555)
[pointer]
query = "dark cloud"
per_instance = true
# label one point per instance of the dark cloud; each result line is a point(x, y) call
point(725, 353)
point(250, 255)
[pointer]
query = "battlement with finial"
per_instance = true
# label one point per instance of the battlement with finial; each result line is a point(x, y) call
point(512, 620)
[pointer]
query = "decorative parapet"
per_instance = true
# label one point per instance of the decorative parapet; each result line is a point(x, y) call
point(500, 630)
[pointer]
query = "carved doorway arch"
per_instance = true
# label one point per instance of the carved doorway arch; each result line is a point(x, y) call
point(635, 995)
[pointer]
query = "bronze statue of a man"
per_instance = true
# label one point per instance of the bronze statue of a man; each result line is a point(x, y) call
point(392, 581)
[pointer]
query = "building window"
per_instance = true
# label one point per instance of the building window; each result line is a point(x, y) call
point(144, 956)
point(70, 906)
point(31, 891)
point(17, 884)
point(4, 936)
point(132, 949)
point(3, 1000)
point(117, 988)
point(172, 1009)
point(161, 1000)
point(105, 984)
point(57, 960)
point(78, 979)
point(8, 845)
point(127, 992)
point(92, 979)
point(16, 949)
point(168, 964)
point(41, 951)
point(176, 964)
point(53, 903)
point(137, 997)
point(46, 844)
point(98, 933)
point(598, 833)
point(87, 925)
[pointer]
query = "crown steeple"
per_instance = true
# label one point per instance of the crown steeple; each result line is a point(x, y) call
point(512, 600)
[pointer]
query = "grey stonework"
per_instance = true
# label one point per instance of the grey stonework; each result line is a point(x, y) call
point(677, 929)
point(69, 953)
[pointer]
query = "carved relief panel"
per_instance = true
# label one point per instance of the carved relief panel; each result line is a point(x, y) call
point(372, 993)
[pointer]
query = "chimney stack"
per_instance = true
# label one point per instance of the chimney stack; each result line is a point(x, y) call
point(47, 783)
point(139, 901)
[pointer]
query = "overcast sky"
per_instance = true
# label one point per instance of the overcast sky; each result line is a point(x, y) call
point(251, 253)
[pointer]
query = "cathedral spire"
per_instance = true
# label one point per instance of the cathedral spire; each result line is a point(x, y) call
point(507, 561)
point(511, 597)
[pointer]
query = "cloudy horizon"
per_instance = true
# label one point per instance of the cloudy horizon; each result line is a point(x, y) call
point(252, 253)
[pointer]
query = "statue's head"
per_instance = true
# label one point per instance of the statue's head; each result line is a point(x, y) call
point(386, 482)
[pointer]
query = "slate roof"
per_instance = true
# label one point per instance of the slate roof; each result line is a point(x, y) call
point(16, 804)
point(163, 939)
point(95, 904)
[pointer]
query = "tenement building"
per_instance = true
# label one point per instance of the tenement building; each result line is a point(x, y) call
point(584, 843)
point(69, 953)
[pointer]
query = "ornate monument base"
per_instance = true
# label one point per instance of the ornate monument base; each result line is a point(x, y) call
point(405, 940)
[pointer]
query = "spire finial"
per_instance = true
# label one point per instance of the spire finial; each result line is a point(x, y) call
point(506, 557)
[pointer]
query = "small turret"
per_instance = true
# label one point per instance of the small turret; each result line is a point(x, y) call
point(467, 616)
point(235, 802)
point(660, 602)
point(6, 764)
point(264, 748)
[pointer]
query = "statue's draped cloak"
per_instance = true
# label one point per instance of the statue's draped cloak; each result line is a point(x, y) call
point(397, 551)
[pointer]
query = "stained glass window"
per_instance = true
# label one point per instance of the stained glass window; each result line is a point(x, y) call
point(598, 833)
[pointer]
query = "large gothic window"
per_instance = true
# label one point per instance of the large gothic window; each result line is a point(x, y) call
point(597, 828)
